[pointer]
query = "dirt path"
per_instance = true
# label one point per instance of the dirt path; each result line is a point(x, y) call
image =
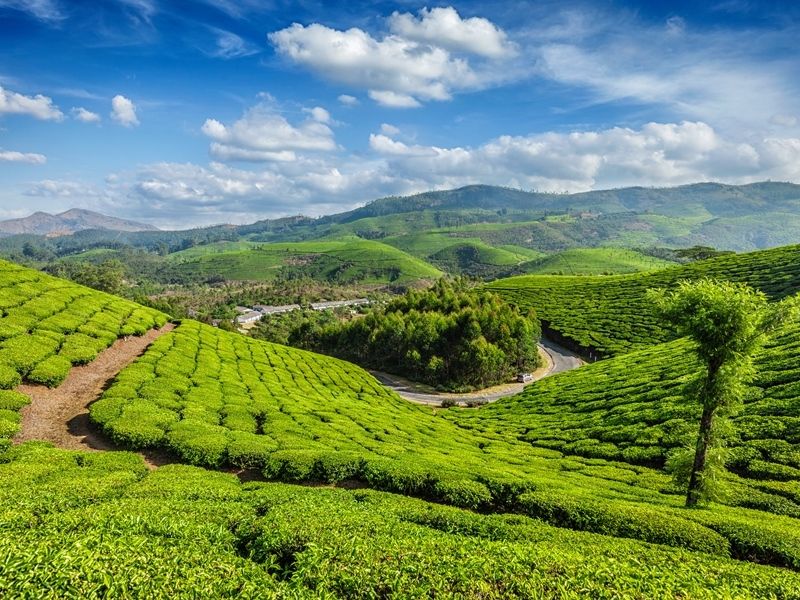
point(61, 415)
point(556, 358)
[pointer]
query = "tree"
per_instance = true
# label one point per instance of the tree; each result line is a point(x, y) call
point(728, 322)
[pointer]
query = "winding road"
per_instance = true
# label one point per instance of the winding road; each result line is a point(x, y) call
point(558, 359)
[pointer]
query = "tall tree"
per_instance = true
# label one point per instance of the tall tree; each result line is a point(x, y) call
point(728, 322)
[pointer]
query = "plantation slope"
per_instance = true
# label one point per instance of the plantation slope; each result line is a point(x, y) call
point(47, 325)
point(632, 408)
point(99, 525)
point(343, 261)
point(610, 315)
point(594, 261)
point(215, 398)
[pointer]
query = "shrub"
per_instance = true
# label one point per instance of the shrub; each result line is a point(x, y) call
point(51, 371)
point(464, 493)
point(250, 451)
point(335, 467)
point(13, 400)
point(622, 519)
point(291, 465)
point(9, 377)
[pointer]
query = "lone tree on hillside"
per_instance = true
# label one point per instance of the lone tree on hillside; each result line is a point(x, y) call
point(728, 322)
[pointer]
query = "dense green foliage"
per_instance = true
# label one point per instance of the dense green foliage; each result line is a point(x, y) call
point(99, 525)
point(47, 325)
point(446, 336)
point(612, 314)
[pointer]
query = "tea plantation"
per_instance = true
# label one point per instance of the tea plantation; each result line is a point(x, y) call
point(564, 485)
point(610, 314)
point(47, 325)
point(98, 525)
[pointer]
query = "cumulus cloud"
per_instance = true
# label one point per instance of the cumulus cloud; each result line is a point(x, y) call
point(23, 157)
point(263, 134)
point(38, 106)
point(655, 154)
point(123, 111)
point(86, 116)
point(348, 100)
point(59, 188)
point(389, 129)
point(413, 64)
point(44, 10)
point(444, 27)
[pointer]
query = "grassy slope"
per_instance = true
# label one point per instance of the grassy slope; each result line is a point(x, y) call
point(339, 260)
point(594, 261)
point(611, 314)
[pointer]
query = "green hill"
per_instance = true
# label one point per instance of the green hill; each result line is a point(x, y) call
point(593, 261)
point(579, 451)
point(611, 315)
point(342, 261)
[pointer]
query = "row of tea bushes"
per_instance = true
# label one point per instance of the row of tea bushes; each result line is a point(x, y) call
point(48, 324)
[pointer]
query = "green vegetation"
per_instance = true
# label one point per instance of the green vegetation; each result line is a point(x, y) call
point(446, 336)
point(47, 325)
point(342, 261)
point(728, 322)
point(612, 315)
point(593, 261)
point(99, 525)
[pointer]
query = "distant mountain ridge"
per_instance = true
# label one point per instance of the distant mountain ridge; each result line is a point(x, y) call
point(68, 222)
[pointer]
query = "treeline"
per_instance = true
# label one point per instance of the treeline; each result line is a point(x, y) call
point(446, 336)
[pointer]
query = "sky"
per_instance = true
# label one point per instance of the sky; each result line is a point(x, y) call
point(199, 112)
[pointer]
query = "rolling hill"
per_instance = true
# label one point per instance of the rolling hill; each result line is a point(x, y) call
point(610, 315)
point(566, 477)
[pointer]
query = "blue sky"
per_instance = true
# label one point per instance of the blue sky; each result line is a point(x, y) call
point(208, 111)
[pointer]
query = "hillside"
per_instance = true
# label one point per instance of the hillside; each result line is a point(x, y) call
point(610, 315)
point(593, 261)
point(342, 261)
point(67, 222)
point(581, 451)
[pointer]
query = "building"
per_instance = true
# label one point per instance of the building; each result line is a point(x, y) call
point(330, 305)
point(265, 309)
point(248, 317)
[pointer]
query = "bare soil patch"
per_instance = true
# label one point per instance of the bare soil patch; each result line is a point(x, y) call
point(61, 415)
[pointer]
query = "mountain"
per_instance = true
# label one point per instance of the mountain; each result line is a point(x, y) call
point(68, 222)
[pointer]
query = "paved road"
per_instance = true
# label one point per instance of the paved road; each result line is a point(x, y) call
point(560, 359)
point(563, 359)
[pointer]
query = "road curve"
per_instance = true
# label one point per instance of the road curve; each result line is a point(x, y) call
point(558, 359)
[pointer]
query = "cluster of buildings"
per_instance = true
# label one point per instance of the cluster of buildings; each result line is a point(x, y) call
point(248, 316)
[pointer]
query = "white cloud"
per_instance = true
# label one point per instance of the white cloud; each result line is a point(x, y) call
point(348, 100)
point(655, 154)
point(24, 157)
point(262, 134)
point(230, 45)
point(86, 116)
point(445, 28)
point(59, 188)
point(393, 99)
point(396, 71)
point(319, 114)
point(38, 106)
point(123, 111)
point(44, 10)
point(388, 129)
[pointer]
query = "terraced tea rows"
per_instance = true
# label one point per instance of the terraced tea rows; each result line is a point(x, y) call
point(610, 315)
point(47, 325)
point(99, 525)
